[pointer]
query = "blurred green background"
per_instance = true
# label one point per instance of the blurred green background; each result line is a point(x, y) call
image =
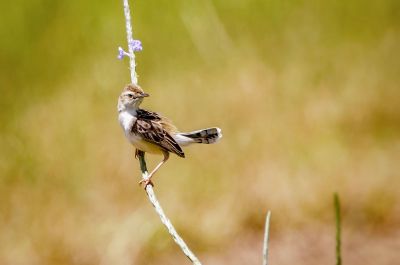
point(306, 92)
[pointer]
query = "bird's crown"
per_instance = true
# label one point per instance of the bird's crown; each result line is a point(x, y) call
point(133, 88)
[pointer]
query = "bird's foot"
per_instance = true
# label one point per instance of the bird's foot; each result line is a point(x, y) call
point(146, 182)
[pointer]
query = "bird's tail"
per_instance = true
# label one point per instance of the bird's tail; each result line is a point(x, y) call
point(204, 136)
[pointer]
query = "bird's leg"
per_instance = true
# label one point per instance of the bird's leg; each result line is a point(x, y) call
point(137, 153)
point(148, 180)
point(166, 156)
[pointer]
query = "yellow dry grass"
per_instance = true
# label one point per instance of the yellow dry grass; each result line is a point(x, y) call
point(307, 97)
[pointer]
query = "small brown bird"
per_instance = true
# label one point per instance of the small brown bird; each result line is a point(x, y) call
point(151, 133)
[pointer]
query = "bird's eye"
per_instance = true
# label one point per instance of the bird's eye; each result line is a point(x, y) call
point(130, 96)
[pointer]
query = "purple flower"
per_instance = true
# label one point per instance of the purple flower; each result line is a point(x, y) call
point(121, 53)
point(136, 45)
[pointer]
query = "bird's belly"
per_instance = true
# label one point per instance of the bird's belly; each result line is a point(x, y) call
point(145, 146)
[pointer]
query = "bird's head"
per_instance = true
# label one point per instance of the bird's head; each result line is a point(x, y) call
point(131, 97)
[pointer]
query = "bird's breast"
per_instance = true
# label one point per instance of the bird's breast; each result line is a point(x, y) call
point(126, 121)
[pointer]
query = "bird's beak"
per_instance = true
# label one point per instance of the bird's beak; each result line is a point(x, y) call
point(144, 95)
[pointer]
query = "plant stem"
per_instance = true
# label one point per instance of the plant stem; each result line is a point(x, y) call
point(338, 229)
point(266, 239)
point(149, 189)
point(164, 219)
point(129, 36)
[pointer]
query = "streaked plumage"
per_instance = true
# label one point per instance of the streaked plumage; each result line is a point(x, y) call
point(150, 132)
point(152, 128)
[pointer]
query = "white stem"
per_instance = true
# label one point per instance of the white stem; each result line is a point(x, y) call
point(164, 219)
point(171, 230)
point(266, 238)
point(149, 189)
point(129, 36)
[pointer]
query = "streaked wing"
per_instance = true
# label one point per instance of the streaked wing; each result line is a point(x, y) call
point(149, 126)
point(148, 115)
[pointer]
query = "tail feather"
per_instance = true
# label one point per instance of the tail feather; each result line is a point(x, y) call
point(204, 136)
